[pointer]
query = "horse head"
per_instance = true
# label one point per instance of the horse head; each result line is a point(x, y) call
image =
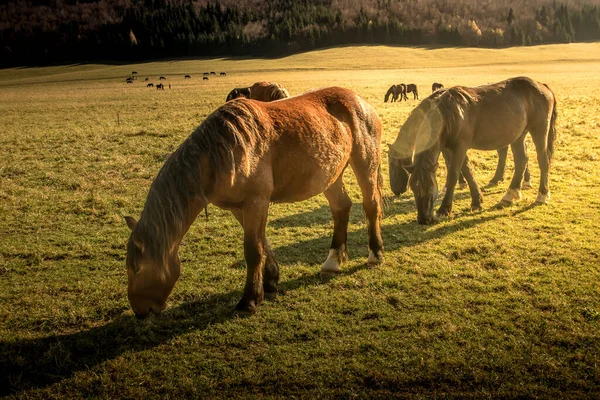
point(398, 174)
point(149, 282)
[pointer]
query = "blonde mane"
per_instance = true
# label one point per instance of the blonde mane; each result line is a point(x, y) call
point(233, 127)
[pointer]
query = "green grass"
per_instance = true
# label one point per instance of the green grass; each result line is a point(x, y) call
point(502, 303)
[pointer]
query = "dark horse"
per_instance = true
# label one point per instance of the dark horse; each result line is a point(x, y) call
point(396, 91)
point(436, 86)
point(411, 88)
point(261, 91)
point(486, 117)
point(243, 157)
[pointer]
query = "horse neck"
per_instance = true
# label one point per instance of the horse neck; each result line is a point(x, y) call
point(428, 158)
point(175, 199)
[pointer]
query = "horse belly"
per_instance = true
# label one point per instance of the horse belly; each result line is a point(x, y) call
point(499, 128)
point(307, 174)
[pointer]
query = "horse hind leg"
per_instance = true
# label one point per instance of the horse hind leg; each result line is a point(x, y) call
point(500, 167)
point(340, 204)
point(368, 174)
point(543, 156)
point(271, 267)
point(476, 195)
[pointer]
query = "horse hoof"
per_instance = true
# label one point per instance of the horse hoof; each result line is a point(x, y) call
point(332, 264)
point(245, 307)
point(542, 198)
point(526, 185)
point(476, 207)
point(374, 259)
point(462, 186)
point(511, 195)
point(493, 183)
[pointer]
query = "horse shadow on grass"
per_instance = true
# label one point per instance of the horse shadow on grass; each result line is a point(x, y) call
point(37, 363)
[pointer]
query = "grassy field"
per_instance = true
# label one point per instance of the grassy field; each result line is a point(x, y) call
point(502, 303)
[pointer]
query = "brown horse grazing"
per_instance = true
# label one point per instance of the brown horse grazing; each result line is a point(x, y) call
point(436, 86)
point(160, 86)
point(395, 91)
point(261, 91)
point(411, 88)
point(486, 117)
point(243, 157)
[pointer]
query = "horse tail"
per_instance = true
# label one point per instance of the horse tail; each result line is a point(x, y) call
point(552, 130)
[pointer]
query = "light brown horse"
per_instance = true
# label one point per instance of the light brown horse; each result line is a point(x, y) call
point(244, 156)
point(488, 117)
point(261, 91)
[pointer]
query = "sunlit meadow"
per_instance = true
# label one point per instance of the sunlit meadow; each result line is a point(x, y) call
point(502, 303)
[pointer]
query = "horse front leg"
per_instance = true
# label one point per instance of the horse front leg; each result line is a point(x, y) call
point(476, 195)
point(254, 222)
point(458, 157)
point(271, 268)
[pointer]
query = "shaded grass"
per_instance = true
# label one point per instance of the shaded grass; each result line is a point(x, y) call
point(500, 303)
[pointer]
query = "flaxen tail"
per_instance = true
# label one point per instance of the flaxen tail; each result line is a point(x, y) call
point(552, 129)
point(552, 132)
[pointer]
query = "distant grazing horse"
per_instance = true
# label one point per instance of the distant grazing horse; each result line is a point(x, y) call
point(160, 86)
point(213, 73)
point(262, 91)
point(238, 92)
point(146, 80)
point(486, 117)
point(411, 88)
point(205, 78)
point(152, 85)
point(436, 86)
point(205, 73)
point(162, 78)
point(187, 77)
point(129, 80)
point(396, 91)
point(134, 73)
point(243, 157)
point(222, 74)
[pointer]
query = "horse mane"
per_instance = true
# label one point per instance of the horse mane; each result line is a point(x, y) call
point(424, 169)
point(235, 126)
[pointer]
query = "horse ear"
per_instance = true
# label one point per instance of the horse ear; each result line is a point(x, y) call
point(131, 222)
point(409, 168)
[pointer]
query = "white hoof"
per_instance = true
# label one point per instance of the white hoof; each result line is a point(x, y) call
point(332, 264)
point(542, 198)
point(373, 260)
point(512, 195)
point(526, 185)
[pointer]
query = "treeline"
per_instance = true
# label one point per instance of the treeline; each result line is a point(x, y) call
point(49, 31)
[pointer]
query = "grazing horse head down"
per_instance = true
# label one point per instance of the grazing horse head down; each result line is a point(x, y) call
point(395, 91)
point(488, 117)
point(246, 155)
point(436, 86)
point(261, 91)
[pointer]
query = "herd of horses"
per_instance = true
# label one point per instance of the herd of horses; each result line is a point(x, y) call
point(131, 78)
point(399, 92)
point(264, 147)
